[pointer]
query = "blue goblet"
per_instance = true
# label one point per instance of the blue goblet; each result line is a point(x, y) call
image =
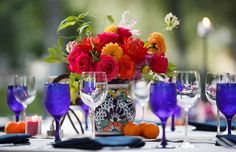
point(13, 104)
point(226, 101)
point(57, 101)
point(163, 104)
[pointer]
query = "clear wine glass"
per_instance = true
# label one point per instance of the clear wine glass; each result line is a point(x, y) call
point(93, 91)
point(24, 89)
point(57, 101)
point(15, 106)
point(225, 100)
point(163, 104)
point(140, 92)
point(188, 94)
point(210, 90)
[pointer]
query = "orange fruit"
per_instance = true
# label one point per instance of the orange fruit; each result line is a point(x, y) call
point(141, 126)
point(151, 131)
point(21, 127)
point(14, 127)
point(131, 129)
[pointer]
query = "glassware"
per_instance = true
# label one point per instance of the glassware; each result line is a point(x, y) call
point(15, 106)
point(188, 94)
point(163, 104)
point(210, 90)
point(24, 89)
point(93, 91)
point(140, 92)
point(225, 100)
point(57, 101)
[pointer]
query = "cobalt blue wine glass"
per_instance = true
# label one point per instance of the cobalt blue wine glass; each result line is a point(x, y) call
point(226, 101)
point(57, 101)
point(15, 106)
point(163, 104)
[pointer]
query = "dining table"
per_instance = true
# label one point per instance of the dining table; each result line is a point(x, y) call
point(202, 140)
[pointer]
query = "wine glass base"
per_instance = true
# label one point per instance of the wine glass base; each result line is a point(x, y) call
point(166, 147)
point(187, 145)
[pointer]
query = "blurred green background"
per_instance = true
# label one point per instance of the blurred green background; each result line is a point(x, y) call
point(28, 28)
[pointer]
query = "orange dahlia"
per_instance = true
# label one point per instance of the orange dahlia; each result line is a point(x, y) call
point(156, 44)
point(135, 49)
point(111, 29)
point(113, 49)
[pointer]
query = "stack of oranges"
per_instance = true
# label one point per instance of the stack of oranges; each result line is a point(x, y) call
point(15, 127)
point(147, 130)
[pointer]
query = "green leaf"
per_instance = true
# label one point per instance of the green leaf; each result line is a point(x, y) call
point(146, 44)
point(59, 41)
point(62, 26)
point(91, 41)
point(110, 18)
point(94, 56)
point(83, 15)
point(56, 55)
point(74, 86)
point(71, 18)
point(171, 67)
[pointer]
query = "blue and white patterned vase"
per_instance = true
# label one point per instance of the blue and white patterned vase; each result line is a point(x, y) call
point(116, 110)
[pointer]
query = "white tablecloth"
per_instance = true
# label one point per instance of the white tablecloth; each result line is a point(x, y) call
point(202, 141)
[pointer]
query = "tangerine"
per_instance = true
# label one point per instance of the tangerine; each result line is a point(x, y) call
point(151, 131)
point(131, 129)
point(14, 127)
point(141, 126)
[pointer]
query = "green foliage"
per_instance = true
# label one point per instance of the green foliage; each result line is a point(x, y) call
point(83, 27)
point(74, 85)
point(110, 18)
point(171, 68)
point(56, 55)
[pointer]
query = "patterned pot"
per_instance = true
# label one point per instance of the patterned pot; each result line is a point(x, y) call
point(116, 110)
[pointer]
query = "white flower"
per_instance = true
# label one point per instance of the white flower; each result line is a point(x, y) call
point(171, 21)
point(129, 24)
point(70, 46)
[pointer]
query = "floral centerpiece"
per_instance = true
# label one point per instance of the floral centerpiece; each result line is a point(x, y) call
point(115, 51)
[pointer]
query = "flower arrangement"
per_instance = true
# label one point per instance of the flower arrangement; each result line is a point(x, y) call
point(115, 51)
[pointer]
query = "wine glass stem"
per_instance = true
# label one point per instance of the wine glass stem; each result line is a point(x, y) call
point(24, 114)
point(173, 122)
point(93, 122)
point(163, 141)
point(218, 121)
point(86, 119)
point(229, 119)
point(57, 137)
point(186, 125)
point(17, 116)
point(143, 109)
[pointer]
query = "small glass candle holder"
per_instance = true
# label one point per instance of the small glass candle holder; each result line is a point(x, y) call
point(33, 125)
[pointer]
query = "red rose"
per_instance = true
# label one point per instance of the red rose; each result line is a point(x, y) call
point(109, 65)
point(126, 68)
point(159, 64)
point(135, 49)
point(123, 33)
point(72, 58)
point(108, 37)
point(80, 61)
point(84, 62)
